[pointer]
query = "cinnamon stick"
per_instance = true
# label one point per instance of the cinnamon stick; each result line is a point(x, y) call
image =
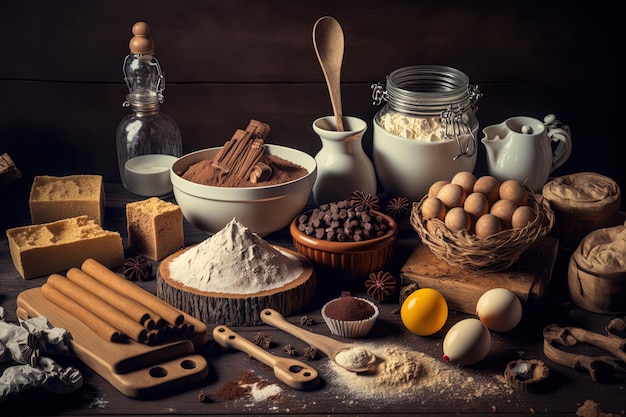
point(95, 323)
point(99, 307)
point(127, 305)
point(119, 284)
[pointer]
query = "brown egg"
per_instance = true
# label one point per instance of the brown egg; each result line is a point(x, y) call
point(476, 205)
point(503, 210)
point(489, 186)
point(433, 208)
point(487, 225)
point(522, 216)
point(452, 195)
point(434, 189)
point(466, 180)
point(458, 219)
point(514, 191)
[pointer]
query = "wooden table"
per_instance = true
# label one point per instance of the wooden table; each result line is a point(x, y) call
point(482, 390)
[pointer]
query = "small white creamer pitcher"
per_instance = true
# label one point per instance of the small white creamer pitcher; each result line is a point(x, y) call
point(520, 148)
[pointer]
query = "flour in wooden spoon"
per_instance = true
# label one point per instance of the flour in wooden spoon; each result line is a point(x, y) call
point(235, 261)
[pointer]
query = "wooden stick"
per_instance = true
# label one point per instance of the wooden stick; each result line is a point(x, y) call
point(125, 304)
point(119, 284)
point(95, 323)
point(99, 307)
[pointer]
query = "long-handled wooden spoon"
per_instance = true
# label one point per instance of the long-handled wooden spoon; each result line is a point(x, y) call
point(329, 44)
point(328, 345)
point(292, 372)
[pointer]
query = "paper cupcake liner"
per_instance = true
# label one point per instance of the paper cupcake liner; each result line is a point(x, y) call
point(351, 329)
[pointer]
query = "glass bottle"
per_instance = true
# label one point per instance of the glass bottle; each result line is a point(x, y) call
point(427, 129)
point(148, 141)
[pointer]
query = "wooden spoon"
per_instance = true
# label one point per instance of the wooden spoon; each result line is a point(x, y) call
point(329, 346)
point(329, 43)
point(292, 372)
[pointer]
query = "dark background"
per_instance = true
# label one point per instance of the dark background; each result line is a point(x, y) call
point(61, 81)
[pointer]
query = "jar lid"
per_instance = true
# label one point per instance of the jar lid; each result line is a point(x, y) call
point(583, 194)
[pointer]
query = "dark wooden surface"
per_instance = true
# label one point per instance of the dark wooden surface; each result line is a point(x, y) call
point(567, 391)
point(61, 81)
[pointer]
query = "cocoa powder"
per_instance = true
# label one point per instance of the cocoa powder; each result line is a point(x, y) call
point(349, 308)
point(206, 173)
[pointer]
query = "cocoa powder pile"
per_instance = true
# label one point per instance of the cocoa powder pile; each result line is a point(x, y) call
point(348, 308)
point(206, 173)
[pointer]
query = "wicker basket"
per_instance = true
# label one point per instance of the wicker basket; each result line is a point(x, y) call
point(494, 253)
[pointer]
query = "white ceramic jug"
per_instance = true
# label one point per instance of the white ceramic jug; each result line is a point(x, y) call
point(342, 164)
point(520, 148)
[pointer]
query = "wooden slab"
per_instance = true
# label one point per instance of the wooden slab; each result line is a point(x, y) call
point(462, 288)
point(237, 310)
point(135, 369)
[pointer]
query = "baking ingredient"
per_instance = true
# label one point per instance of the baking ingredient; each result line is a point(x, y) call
point(467, 342)
point(522, 216)
point(451, 195)
point(466, 180)
point(476, 204)
point(433, 190)
point(234, 261)
point(353, 358)
point(458, 219)
point(402, 374)
point(433, 208)
point(423, 129)
point(349, 308)
point(500, 309)
point(487, 225)
point(503, 210)
point(514, 191)
point(489, 186)
point(424, 311)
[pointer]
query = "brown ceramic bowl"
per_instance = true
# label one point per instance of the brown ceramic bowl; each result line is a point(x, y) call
point(355, 260)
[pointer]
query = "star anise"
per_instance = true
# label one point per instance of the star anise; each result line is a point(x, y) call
point(261, 339)
point(306, 321)
point(398, 207)
point(380, 285)
point(137, 269)
point(291, 351)
point(362, 201)
point(310, 353)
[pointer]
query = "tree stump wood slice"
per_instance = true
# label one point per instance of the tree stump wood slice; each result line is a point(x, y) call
point(238, 309)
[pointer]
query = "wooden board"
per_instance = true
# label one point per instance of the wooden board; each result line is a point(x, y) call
point(135, 369)
point(462, 288)
point(238, 309)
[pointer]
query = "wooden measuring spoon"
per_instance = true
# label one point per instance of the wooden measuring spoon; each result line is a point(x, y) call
point(328, 345)
point(329, 44)
point(292, 372)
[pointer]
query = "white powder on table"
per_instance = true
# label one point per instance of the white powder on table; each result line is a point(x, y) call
point(235, 261)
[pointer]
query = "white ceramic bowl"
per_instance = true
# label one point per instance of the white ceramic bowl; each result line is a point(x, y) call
point(262, 209)
point(149, 175)
point(408, 167)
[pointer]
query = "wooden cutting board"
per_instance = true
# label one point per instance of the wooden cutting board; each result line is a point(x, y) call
point(462, 288)
point(137, 370)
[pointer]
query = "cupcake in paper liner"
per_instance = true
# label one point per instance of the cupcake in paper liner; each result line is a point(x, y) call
point(349, 316)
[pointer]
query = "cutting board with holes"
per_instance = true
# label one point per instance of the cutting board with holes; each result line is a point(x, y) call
point(137, 370)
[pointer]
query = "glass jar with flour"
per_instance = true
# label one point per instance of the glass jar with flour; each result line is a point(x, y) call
point(427, 129)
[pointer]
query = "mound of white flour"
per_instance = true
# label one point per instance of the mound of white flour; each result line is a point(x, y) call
point(235, 261)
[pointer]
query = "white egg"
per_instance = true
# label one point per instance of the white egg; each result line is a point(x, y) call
point(467, 342)
point(499, 309)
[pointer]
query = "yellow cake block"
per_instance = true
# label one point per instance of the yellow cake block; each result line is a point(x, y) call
point(155, 228)
point(56, 198)
point(43, 249)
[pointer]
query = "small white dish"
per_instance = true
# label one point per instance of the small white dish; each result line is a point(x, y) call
point(149, 175)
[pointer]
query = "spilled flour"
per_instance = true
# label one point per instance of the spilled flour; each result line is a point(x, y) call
point(235, 261)
point(401, 372)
